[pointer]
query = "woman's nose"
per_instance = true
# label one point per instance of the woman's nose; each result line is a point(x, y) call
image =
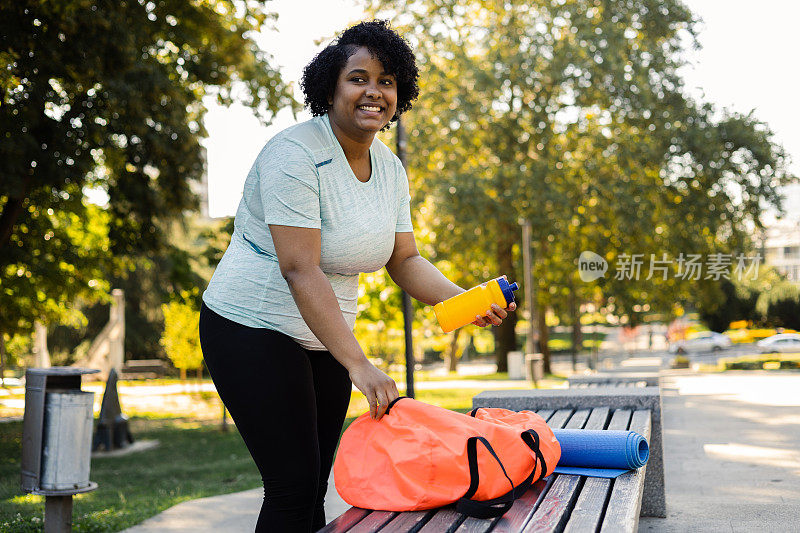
point(373, 92)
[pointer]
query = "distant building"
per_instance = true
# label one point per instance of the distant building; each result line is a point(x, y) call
point(782, 248)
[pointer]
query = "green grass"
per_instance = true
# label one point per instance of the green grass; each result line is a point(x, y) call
point(497, 376)
point(562, 342)
point(192, 461)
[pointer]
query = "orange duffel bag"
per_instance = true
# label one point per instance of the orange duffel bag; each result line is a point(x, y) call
point(420, 456)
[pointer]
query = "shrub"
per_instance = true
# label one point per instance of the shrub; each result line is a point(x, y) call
point(780, 305)
point(181, 337)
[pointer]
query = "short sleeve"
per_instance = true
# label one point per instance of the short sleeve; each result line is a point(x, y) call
point(289, 185)
point(403, 201)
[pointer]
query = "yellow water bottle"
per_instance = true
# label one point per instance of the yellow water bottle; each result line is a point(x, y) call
point(461, 310)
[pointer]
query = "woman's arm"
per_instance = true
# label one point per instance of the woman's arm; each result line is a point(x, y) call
point(423, 281)
point(298, 251)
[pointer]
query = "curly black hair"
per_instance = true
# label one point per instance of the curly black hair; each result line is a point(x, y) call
point(394, 53)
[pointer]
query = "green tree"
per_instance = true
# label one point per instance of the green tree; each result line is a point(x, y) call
point(779, 305)
point(572, 114)
point(735, 301)
point(58, 261)
point(108, 95)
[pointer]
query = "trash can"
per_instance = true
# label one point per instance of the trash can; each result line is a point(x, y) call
point(57, 441)
point(67, 440)
point(516, 365)
point(534, 367)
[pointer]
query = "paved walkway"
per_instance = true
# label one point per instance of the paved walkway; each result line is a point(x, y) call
point(731, 452)
point(231, 513)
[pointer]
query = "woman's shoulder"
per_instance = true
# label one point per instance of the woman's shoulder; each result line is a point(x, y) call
point(302, 141)
point(313, 135)
point(384, 153)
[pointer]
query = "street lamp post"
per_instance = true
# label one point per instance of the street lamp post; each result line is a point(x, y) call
point(408, 311)
point(530, 345)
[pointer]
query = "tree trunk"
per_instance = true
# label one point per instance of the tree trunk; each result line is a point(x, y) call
point(543, 338)
point(2, 360)
point(505, 337)
point(575, 318)
point(541, 309)
point(8, 219)
point(450, 358)
point(224, 424)
point(469, 349)
point(183, 374)
point(200, 374)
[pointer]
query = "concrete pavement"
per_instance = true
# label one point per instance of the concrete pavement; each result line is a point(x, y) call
point(731, 452)
point(231, 513)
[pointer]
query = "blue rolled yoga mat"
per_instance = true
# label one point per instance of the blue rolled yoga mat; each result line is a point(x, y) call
point(600, 453)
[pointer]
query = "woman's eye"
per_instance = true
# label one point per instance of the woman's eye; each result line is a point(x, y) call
point(388, 82)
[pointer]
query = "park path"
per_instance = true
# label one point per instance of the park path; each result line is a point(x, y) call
point(731, 457)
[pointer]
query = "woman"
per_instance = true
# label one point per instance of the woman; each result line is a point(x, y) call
point(324, 201)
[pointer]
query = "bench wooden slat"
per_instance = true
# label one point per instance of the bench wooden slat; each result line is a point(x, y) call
point(545, 413)
point(476, 525)
point(622, 511)
point(445, 519)
point(578, 419)
point(589, 506)
point(554, 509)
point(373, 522)
point(346, 520)
point(523, 508)
point(559, 418)
point(408, 522)
point(620, 419)
point(598, 418)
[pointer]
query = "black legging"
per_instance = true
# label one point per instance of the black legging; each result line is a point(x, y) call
point(289, 405)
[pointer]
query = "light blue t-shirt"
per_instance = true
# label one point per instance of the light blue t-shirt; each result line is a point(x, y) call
point(301, 178)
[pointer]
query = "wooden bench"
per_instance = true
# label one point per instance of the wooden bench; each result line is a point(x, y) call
point(143, 369)
point(559, 502)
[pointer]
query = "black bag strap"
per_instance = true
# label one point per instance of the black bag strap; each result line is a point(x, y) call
point(488, 508)
point(531, 438)
point(391, 404)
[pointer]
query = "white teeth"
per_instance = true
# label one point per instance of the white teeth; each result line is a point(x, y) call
point(369, 108)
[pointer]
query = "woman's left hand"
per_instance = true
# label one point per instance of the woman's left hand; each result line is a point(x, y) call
point(494, 316)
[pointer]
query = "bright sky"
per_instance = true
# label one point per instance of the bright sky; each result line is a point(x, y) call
point(745, 64)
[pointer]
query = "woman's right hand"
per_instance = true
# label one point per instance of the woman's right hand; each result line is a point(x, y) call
point(379, 389)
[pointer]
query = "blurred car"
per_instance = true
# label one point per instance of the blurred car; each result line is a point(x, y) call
point(782, 342)
point(702, 341)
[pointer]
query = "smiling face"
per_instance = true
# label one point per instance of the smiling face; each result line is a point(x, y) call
point(365, 98)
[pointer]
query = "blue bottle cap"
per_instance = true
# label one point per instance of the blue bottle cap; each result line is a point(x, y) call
point(508, 289)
